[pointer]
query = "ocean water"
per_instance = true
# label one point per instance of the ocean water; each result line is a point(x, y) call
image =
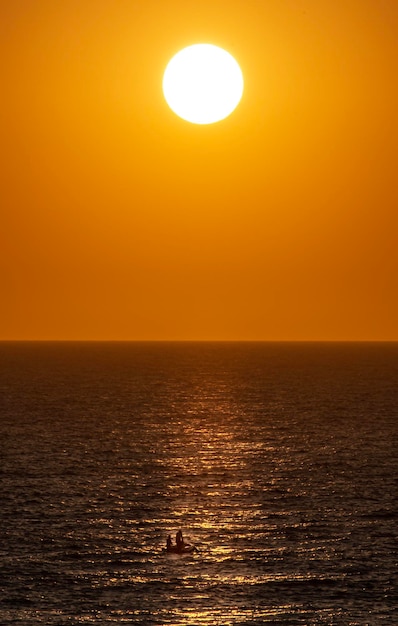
point(278, 461)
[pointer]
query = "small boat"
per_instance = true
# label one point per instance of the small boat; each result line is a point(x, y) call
point(185, 549)
point(180, 546)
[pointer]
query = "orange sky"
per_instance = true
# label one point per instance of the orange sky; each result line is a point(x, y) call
point(121, 221)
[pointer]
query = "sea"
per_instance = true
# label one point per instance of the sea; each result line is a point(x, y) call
point(277, 461)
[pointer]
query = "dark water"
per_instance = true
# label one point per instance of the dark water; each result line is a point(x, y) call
point(277, 460)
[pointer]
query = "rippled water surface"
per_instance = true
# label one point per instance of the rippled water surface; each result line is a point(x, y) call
point(278, 461)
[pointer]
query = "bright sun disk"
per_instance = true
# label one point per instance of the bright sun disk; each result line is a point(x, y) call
point(203, 84)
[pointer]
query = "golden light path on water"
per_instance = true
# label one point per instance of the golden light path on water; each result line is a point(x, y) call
point(209, 470)
point(220, 514)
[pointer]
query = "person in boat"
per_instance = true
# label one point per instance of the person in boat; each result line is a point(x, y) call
point(180, 547)
point(180, 543)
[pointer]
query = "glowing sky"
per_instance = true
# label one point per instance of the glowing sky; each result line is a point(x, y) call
point(121, 221)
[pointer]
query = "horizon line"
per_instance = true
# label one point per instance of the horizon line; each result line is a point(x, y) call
point(198, 340)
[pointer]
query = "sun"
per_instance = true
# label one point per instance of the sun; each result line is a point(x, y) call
point(203, 84)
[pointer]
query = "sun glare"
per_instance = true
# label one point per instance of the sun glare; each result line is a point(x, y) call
point(203, 84)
